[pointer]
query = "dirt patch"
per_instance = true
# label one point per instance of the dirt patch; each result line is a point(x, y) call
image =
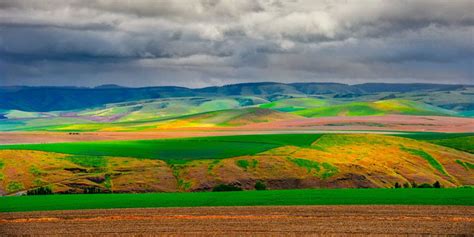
point(247, 221)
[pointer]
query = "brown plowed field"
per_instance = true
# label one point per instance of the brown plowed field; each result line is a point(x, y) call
point(371, 124)
point(52, 137)
point(375, 123)
point(247, 221)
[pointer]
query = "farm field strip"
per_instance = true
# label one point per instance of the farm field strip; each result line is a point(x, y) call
point(459, 196)
point(351, 220)
point(7, 138)
point(179, 148)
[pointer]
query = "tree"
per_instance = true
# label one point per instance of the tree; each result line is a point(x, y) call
point(406, 185)
point(436, 184)
point(260, 186)
point(40, 191)
point(397, 185)
point(226, 188)
point(424, 185)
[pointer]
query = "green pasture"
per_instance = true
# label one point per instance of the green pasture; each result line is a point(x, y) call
point(459, 196)
point(176, 150)
point(459, 141)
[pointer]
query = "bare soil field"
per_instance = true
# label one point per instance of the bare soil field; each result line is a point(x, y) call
point(374, 123)
point(368, 124)
point(53, 137)
point(247, 221)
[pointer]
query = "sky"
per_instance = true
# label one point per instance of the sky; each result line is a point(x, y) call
point(210, 42)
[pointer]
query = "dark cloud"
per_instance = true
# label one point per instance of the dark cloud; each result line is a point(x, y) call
point(206, 42)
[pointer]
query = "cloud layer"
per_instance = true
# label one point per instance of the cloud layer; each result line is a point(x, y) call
point(212, 42)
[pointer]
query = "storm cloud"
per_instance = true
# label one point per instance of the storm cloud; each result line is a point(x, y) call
point(212, 42)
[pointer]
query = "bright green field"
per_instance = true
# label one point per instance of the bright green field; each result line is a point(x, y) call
point(381, 107)
point(176, 150)
point(460, 196)
point(459, 141)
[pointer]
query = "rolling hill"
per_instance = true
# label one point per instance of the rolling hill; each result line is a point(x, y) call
point(199, 112)
point(71, 98)
point(143, 109)
point(381, 107)
point(197, 164)
point(227, 118)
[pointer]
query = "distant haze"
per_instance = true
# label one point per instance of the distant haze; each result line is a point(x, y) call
point(211, 42)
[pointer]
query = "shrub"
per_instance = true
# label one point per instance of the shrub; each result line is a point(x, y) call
point(14, 186)
point(226, 188)
point(260, 186)
point(244, 164)
point(406, 185)
point(90, 190)
point(40, 191)
point(35, 171)
point(424, 185)
point(397, 185)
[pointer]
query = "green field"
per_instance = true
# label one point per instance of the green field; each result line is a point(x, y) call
point(177, 150)
point(460, 196)
point(459, 141)
point(375, 108)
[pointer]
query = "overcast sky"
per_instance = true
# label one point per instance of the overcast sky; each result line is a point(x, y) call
point(212, 42)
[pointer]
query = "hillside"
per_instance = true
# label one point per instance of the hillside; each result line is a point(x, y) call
point(115, 108)
point(227, 118)
point(381, 107)
point(278, 161)
point(72, 98)
point(208, 112)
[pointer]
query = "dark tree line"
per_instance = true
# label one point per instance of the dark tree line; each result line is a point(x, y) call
point(415, 185)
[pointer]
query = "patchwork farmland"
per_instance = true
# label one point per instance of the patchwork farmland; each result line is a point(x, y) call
point(260, 145)
point(279, 161)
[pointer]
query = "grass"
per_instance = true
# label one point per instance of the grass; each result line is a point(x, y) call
point(433, 135)
point(308, 164)
point(88, 161)
point(315, 167)
point(431, 160)
point(372, 108)
point(294, 104)
point(329, 170)
point(458, 141)
point(350, 109)
point(35, 171)
point(14, 186)
point(175, 150)
point(460, 196)
point(465, 164)
point(244, 164)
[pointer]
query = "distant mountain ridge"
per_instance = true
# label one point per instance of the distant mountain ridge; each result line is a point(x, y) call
point(43, 99)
